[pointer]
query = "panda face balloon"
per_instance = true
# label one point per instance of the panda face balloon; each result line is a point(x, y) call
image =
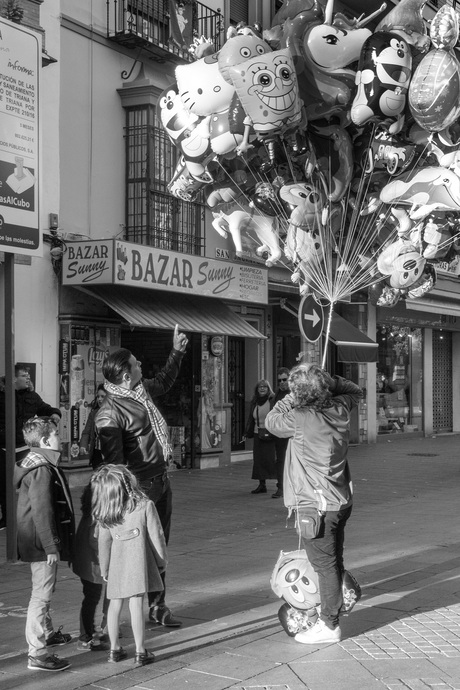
point(295, 581)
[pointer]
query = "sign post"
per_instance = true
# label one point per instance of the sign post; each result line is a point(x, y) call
point(20, 64)
point(311, 318)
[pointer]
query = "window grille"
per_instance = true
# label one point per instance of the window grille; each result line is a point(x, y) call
point(153, 216)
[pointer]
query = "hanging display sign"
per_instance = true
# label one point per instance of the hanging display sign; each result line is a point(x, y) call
point(20, 63)
point(311, 318)
point(124, 263)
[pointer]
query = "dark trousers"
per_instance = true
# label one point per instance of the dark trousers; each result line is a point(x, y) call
point(280, 455)
point(92, 592)
point(325, 553)
point(159, 491)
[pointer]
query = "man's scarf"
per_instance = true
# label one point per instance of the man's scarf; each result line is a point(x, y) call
point(139, 394)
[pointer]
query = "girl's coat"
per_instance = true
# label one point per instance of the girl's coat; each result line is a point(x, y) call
point(132, 555)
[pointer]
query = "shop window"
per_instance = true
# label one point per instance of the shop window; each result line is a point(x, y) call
point(399, 379)
point(153, 216)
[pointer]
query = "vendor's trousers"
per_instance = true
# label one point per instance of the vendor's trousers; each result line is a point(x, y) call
point(159, 491)
point(325, 553)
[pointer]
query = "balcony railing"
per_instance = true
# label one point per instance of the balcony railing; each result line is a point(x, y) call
point(147, 24)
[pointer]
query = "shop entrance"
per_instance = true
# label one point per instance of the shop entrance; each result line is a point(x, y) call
point(399, 379)
point(236, 378)
point(442, 381)
point(178, 406)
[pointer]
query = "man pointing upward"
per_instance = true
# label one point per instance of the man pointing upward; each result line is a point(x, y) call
point(132, 432)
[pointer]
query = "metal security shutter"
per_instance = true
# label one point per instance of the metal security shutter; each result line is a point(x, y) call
point(236, 391)
point(238, 11)
point(442, 381)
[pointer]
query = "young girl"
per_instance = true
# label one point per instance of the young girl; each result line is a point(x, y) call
point(132, 552)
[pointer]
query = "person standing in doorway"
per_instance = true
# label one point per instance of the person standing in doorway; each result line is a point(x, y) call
point(132, 432)
point(28, 405)
point(264, 443)
point(280, 443)
point(89, 442)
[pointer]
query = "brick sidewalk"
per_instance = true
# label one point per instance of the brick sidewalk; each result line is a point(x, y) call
point(401, 543)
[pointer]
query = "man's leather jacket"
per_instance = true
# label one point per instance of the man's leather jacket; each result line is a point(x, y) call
point(124, 430)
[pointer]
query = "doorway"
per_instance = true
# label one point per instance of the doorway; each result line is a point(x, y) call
point(179, 405)
point(442, 381)
point(236, 379)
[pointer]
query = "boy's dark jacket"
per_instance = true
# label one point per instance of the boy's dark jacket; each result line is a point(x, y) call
point(45, 513)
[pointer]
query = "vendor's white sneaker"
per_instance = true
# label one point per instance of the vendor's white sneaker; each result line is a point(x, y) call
point(319, 634)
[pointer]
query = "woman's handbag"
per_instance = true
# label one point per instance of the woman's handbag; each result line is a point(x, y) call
point(262, 433)
point(265, 435)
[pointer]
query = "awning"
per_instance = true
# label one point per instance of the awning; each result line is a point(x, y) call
point(155, 309)
point(352, 344)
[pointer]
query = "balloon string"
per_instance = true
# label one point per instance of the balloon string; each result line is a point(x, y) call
point(327, 334)
point(340, 248)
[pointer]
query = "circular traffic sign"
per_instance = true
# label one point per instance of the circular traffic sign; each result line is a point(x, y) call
point(311, 318)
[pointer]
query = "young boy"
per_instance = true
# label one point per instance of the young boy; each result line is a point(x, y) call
point(46, 529)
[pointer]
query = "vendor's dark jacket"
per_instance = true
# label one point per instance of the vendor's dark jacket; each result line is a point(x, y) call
point(45, 513)
point(124, 430)
point(316, 460)
point(28, 404)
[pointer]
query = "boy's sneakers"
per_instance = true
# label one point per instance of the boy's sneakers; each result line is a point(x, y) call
point(58, 638)
point(94, 645)
point(319, 633)
point(51, 662)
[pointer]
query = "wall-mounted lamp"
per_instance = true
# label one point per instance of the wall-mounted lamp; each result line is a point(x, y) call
point(57, 244)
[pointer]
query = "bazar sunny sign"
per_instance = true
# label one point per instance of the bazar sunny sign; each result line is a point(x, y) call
point(122, 263)
point(20, 60)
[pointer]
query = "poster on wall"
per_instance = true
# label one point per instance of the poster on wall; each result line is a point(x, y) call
point(181, 22)
point(82, 348)
point(211, 415)
point(20, 65)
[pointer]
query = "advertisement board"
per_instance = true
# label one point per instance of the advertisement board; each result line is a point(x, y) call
point(82, 348)
point(20, 65)
point(124, 263)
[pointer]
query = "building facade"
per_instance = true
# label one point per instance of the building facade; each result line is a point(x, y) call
point(125, 260)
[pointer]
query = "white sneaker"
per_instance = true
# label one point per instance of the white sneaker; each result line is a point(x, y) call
point(319, 634)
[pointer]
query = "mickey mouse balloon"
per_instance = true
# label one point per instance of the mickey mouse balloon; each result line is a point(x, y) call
point(382, 79)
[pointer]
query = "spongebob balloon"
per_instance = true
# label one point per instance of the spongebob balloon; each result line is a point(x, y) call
point(267, 88)
point(238, 49)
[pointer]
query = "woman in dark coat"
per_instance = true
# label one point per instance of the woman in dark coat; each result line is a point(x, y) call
point(264, 466)
point(89, 443)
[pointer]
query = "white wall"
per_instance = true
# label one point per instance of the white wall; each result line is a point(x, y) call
point(36, 285)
